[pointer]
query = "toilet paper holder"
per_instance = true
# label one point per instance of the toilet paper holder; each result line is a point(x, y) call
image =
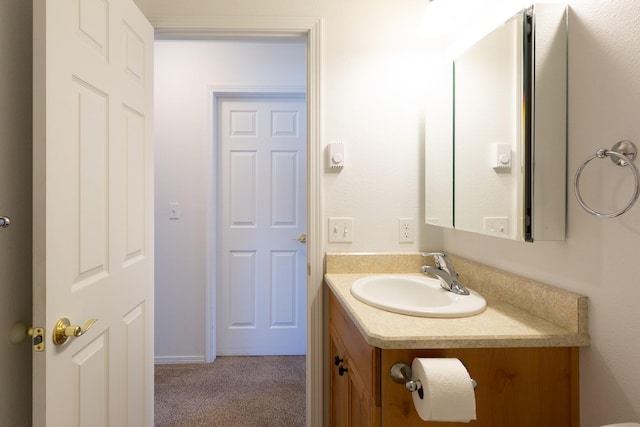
point(401, 374)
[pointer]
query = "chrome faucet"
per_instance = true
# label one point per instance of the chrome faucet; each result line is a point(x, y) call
point(445, 272)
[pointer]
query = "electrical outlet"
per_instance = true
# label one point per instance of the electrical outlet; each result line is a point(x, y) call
point(340, 230)
point(406, 230)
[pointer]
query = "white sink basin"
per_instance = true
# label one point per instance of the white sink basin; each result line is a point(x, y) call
point(415, 295)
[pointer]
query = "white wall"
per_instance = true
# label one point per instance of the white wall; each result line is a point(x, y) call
point(15, 202)
point(184, 73)
point(372, 93)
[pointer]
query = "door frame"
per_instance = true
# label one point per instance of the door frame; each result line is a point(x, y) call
point(214, 93)
point(274, 28)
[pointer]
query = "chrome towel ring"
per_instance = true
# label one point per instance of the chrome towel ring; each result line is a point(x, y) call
point(623, 153)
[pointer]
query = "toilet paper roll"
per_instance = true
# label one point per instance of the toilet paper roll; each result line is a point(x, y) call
point(448, 390)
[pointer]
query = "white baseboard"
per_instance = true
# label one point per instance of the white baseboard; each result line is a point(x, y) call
point(165, 360)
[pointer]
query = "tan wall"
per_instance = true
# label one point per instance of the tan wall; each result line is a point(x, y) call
point(15, 202)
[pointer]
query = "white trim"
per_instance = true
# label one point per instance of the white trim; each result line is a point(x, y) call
point(277, 27)
point(211, 229)
point(169, 360)
point(211, 157)
point(258, 27)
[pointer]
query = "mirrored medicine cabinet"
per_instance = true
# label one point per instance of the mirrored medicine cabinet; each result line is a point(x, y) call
point(496, 142)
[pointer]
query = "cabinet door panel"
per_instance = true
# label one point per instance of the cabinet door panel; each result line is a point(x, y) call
point(338, 385)
point(362, 410)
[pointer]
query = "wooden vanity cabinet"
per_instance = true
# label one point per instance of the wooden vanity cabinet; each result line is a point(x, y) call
point(524, 387)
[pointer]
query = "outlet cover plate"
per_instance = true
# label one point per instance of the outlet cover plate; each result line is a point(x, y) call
point(406, 230)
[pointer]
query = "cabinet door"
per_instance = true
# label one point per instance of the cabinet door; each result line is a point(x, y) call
point(338, 384)
point(350, 403)
point(523, 387)
point(362, 410)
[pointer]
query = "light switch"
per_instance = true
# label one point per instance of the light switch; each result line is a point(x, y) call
point(336, 155)
point(501, 157)
point(174, 210)
point(498, 226)
point(341, 230)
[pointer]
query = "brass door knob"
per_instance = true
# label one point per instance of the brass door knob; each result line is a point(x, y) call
point(64, 329)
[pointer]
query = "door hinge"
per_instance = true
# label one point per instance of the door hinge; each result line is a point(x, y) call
point(37, 338)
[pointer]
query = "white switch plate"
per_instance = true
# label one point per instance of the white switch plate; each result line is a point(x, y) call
point(174, 210)
point(406, 230)
point(497, 225)
point(336, 155)
point(501, 157)
point(340, 230)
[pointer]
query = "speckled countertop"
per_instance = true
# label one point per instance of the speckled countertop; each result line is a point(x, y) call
point(520, 312)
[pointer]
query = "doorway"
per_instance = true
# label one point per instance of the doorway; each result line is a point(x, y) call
point(190, 77)
point(307, 30)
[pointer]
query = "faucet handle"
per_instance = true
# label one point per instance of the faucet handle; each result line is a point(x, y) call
point(433, 254)
point(443, 262)
point(440, 257)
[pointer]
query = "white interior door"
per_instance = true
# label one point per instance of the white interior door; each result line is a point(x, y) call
point(261, 298)
point(93, 212)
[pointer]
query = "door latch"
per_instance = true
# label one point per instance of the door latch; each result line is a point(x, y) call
point(19, 331)
point(37, 338)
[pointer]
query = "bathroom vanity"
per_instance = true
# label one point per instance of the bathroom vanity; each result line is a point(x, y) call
point(524, 357)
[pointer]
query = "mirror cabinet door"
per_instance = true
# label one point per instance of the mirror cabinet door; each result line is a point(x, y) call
point(495, 139)
point(488, 133)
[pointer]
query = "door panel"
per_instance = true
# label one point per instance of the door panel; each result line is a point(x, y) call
point(136, 156)
point(89, 181)
point(93, 382)
point(283, 289)
point(261, 305)
point(242, 273)
point(93, 217)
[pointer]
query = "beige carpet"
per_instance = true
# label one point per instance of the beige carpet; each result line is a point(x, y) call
point(260, 391)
